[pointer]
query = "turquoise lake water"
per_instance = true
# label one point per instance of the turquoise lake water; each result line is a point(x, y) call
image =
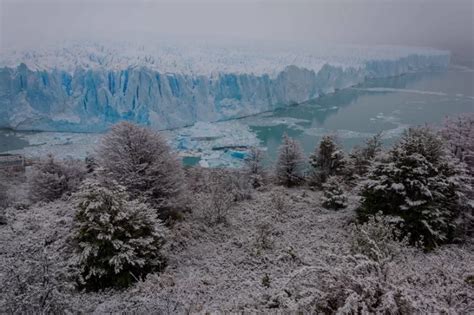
point(383, 105)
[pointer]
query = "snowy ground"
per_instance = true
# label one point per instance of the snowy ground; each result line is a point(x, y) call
point(265, 257)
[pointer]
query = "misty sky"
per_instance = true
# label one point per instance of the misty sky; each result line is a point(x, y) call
point(447, 24)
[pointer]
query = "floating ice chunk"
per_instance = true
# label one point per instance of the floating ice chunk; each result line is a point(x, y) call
point(383, 90)
point(340, 133)
point(217, 144)
point(270, 121)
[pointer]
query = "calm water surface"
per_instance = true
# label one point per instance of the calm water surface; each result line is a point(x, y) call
point(384, 105)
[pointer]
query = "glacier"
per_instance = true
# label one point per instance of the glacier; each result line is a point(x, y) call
point(87, 86)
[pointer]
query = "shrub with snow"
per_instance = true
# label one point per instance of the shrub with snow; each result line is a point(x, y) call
point(279, 200)
point(32, 286)
point(117, 241)
point(91, 164)
point(264, 235)
point(4, 196)
point(141, 160)
point(4, 202)
point(417, 182)
point(254, 167)
point(239, 184)
point(290, 164)
point(333, 194)
point(217, 195)
point(327, 160)
point(352, 284)
point(362, 287)
point(51, 178)
point(381, 276)
point(378, 238)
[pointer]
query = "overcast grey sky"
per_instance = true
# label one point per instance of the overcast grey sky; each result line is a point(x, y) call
point(445, 24)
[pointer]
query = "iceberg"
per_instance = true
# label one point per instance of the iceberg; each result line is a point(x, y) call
point(218, 144)
point(88, 86)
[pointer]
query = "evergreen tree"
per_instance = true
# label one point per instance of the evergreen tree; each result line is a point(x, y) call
point(117, 241)
point(327, 160)
point(333, 194)
point(417, 182)
point(290, 163)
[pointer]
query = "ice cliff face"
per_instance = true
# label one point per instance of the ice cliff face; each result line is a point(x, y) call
point(88, 87)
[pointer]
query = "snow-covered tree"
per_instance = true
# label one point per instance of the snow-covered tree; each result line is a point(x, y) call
point(333, 194)
point(218, 190)
point(459, 133)
point(290, 164)
point(327, 160)
point(362, 156)
point(418, 182)
point(215, 204)
point(254, 166)
point(141, 160)
point(117, 241)
point(51, 178)
point(239, 184)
